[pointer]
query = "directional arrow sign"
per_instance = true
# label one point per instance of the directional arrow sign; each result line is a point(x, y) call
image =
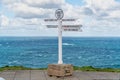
point(71, 27)
point(67, 27)
point(50, 20)
point(52, 26)
point(62, 20)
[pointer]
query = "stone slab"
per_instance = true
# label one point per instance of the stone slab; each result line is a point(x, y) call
point(23, 75)
point(42, 75)
point(38, 75)
point(60, 70)
point(8, 75)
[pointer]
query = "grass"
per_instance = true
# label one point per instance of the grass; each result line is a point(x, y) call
point(19, 68)
point(90, 68)
point(84, 68)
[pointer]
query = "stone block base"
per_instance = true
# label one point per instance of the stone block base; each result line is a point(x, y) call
point(60, 70)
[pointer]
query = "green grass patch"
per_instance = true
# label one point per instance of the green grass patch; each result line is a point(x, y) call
point(19, 68)
point(90, 68)
point(84, 68)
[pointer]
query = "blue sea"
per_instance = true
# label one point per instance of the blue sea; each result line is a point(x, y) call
point(38, 52)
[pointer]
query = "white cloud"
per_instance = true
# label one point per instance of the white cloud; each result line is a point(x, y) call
point(21, 21)
point(7, 2)
point(103, 8)
point(102, 4)
point(105, 11)
point(115, 14)
point(45, 3)
point(96, 15)
point(4, 20)
point(25, 11)
point(41, 8)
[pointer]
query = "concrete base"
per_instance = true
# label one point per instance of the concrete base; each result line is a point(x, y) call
point(60, 70)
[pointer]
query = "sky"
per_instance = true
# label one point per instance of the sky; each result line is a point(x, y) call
point(100, 18)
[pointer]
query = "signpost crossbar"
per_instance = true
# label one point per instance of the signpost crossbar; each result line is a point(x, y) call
point(56, 26)
point(61, 19)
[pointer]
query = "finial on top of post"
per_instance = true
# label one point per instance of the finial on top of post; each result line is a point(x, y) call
point(59, 14)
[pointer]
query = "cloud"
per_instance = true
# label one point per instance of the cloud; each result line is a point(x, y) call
point(102, 4)
point(33, 9)
point(96, 15)
point(41, 8)
point(45, 3)
point(25, 11)
point(22, 21)
point(87, 11)
point(115, 14)
point(4, 20)
point(103, 8)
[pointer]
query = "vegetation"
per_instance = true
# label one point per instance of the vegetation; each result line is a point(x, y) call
point(19, 68)
point(84, 68)
point(90, 68)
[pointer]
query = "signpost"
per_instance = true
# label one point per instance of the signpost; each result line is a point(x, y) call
point(59, 15)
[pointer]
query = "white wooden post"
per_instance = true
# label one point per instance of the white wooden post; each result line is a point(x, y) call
point(60, 61)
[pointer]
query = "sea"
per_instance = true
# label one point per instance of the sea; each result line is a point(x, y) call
point(38, 52)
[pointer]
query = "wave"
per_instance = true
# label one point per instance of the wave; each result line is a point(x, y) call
point(67, 44)
point(14, 62)
point(0, 44)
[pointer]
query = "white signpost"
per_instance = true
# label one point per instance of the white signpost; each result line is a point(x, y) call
point(59, 15)
point(61, 69)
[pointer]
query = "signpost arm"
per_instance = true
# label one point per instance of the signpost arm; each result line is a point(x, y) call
point(60, 61)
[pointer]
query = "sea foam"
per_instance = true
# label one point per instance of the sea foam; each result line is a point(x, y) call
point(67, 44)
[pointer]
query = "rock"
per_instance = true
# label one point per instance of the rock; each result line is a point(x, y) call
point(60, 70)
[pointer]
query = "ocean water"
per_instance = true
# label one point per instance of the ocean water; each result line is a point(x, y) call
point(36, 52)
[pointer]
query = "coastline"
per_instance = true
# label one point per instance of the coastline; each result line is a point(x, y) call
point(84, 68)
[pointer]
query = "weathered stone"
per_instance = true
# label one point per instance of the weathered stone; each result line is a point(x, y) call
point(60, 70)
